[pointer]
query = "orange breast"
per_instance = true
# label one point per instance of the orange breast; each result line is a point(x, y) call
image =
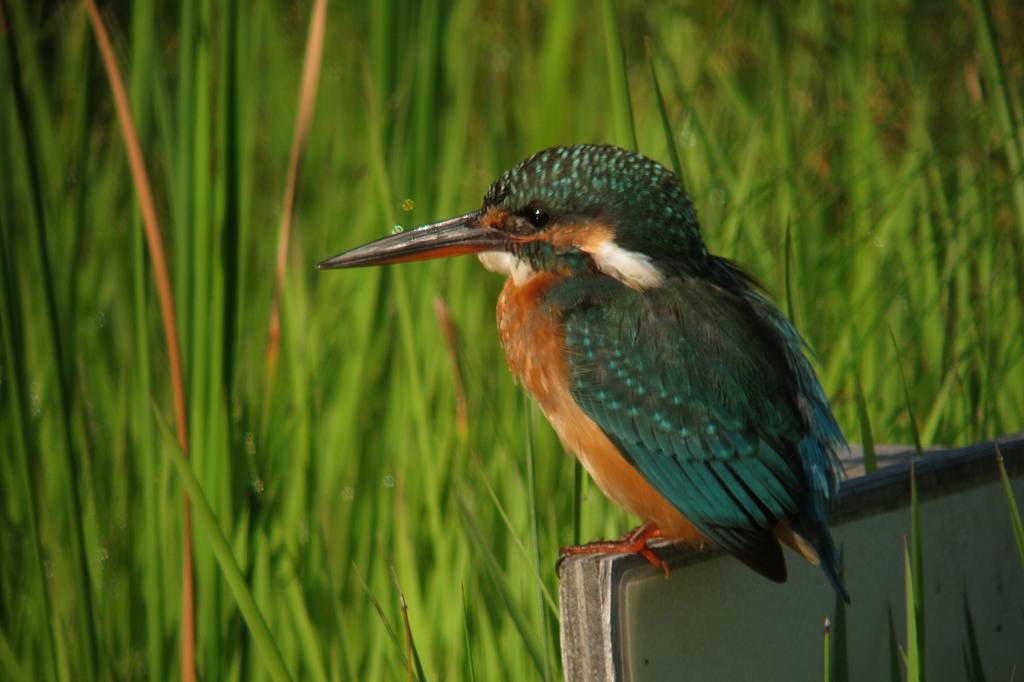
point(533, 340)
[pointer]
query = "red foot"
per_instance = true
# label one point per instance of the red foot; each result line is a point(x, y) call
point(633, 542)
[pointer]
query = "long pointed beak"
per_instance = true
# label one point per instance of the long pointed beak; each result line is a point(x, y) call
point(453, 237)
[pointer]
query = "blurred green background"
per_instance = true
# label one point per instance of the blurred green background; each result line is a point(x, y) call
point(884, 139)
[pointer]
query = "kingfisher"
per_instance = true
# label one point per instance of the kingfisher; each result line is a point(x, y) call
point(684, 392)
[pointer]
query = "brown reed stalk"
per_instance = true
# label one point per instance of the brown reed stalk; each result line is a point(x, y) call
point(307, 98)
point(166, 296)
point(451, 342)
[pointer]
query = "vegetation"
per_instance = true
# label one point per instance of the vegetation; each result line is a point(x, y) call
point(863, 160)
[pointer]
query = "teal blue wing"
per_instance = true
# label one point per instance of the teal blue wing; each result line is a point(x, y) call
point(705, 391)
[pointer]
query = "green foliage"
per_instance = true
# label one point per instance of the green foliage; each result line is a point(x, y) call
point(913, 587)
point(1011, 501)
point(883, 134)
point(913, 657)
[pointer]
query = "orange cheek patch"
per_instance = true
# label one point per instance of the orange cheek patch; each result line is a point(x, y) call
point(586, 237)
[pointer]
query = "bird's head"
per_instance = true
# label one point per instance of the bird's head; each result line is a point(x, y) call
point(567, 210)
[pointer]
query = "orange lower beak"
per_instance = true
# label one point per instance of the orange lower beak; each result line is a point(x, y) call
point(458, 236)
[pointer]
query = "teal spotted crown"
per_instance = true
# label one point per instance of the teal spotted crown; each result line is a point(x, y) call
point(641, 200)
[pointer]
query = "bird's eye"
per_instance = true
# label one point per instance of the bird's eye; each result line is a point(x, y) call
point(538, 217)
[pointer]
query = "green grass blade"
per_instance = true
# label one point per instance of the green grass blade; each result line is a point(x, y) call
point(309, 640)
point(392, 635)
point(410, 643)
point(21, 430)
point(787, 270)
point(71, 478)
point(232, 129)
point(1011, 502)
point(207, 524)
point(10, 667)
point(940, 404)
point(531, 476)
point(1013, 137)
point(520, 545)
point(515, 612)
point(827, 672)
point(864, 419)
point(912, 656)
point(618, 76)
point(666, 125)
point(143, 39)
point(916, 645)
point(906, 396)
point(469, 642)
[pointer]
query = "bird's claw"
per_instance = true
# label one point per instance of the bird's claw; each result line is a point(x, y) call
point(634, 542)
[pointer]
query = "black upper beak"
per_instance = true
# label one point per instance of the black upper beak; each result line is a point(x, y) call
point(453, 237)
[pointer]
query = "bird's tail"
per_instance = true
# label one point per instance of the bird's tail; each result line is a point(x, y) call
point(822, 470)
point(817, 534)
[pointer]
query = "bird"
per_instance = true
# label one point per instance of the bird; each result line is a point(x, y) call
point(666, 370)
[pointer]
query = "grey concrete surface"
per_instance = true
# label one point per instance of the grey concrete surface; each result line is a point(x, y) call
point(714, 619)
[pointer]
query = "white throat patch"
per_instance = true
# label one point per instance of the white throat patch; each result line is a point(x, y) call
point(506, 264)
point(633, 269)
